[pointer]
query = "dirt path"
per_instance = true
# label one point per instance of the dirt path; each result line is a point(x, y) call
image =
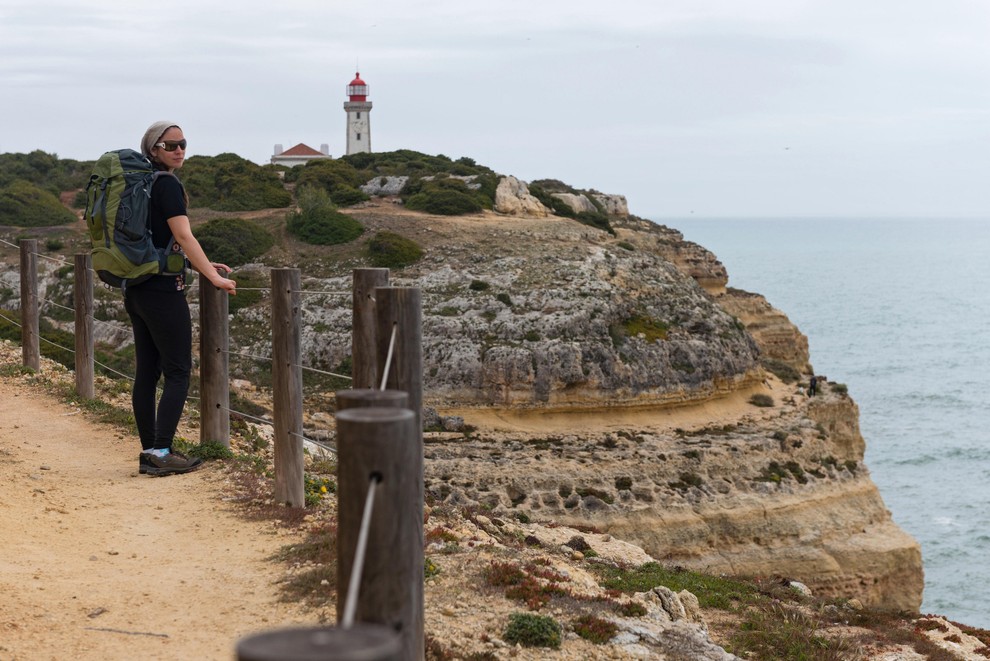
point(99, 562)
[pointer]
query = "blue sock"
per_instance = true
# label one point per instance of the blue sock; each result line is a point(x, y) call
point(158, 452)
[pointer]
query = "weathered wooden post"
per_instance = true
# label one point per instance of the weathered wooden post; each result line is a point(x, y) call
point(214, 362)
point(82, 296)
point(377, 449)
point(366, 398)
point(30, 347)
point(364, 368)
point(400, 345)
point(287, 384)
point(361, 642)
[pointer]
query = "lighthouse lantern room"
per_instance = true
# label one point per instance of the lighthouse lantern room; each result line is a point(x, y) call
point(358, 110)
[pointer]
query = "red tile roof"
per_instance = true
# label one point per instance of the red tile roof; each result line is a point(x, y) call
point(301, 150)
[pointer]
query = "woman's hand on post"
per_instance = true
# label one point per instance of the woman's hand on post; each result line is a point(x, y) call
point(220, 282)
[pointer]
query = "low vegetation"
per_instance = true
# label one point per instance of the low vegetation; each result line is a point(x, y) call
point(318, 221)
point(234, 241)
point(533, 630)
point(228, 182)
point(391, 250)
point(24, 204)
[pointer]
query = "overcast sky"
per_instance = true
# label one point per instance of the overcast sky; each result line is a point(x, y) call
point(708, 107)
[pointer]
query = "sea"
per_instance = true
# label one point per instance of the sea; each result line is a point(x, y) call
point(898, 310)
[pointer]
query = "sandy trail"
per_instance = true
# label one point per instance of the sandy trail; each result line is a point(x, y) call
point(99, 562)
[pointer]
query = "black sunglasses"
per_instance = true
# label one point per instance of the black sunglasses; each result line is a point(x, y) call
point(172, 145)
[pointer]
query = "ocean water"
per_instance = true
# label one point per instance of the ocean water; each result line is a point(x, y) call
point(899, 311)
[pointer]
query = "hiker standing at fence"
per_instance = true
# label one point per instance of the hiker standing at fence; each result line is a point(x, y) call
point(159, 311)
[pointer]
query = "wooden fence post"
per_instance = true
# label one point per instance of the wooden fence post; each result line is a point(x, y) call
point(214, 362)
point(377, 449)
point(364, 367)
point(287, 385)
point(30, 347)
point(82, 297)
point(365, 398)
point(361, 642)
point(399, 309)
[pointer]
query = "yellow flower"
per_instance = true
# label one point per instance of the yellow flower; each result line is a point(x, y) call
point(323, 489)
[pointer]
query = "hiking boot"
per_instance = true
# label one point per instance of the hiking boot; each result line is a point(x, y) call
point(172, 463)
point(143, 463)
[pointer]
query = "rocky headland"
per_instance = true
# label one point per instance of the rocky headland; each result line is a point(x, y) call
point(608, 382)
point(615, 381)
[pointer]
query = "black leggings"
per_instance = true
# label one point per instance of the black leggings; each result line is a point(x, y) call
point(162, 345)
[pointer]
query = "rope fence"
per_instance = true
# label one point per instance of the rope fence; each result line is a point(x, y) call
point(379, 445)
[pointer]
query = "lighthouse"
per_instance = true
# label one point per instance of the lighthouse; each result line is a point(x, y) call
point(358, 109)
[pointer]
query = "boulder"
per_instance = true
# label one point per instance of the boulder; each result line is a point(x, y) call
point(512, 197)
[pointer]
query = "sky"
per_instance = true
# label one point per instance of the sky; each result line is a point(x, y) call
point(722, 108)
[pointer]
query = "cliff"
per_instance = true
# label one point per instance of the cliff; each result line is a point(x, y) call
point(606, 382)
point(615, 381)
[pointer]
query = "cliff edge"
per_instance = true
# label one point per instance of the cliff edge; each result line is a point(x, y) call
point(615, 381)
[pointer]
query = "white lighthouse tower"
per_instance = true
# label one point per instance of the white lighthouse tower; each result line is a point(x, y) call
point(358, 109)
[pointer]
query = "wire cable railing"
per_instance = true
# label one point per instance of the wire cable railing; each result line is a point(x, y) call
point(357, 569)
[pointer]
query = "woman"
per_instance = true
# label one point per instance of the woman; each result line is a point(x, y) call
point(160, 314)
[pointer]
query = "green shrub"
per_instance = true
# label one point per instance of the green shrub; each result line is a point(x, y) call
point(444, 202)
point(762, 400)
point(712, 591)
point(328, 174)
point(46, 171)
point(504, 299)
point(533, 631)
point(595, 219)
point(24, 204)
point(345, 196)
point(390, 250)
point(227, 182)
point(234, 241)
point(478, 285)
point(782, 370)
point(318, 222)
point(651, 328)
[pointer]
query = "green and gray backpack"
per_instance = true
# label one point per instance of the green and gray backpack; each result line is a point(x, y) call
point(117, 199)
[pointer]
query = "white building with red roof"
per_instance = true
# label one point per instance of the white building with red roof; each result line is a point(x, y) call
point(299, 155)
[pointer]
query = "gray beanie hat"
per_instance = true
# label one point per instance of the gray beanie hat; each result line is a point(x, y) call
point(154, 134)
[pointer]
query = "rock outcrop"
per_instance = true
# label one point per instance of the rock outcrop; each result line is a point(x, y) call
point(513, 198)
point(578, 202)
point(779, 339)
point(380, 186)
point(614, 206)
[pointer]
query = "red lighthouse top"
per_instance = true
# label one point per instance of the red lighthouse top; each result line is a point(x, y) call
point(358, 89)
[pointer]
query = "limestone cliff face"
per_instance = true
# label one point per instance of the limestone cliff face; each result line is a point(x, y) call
point(778, 491)
point(547, 314)
point(608, 379)
point(779, 339)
